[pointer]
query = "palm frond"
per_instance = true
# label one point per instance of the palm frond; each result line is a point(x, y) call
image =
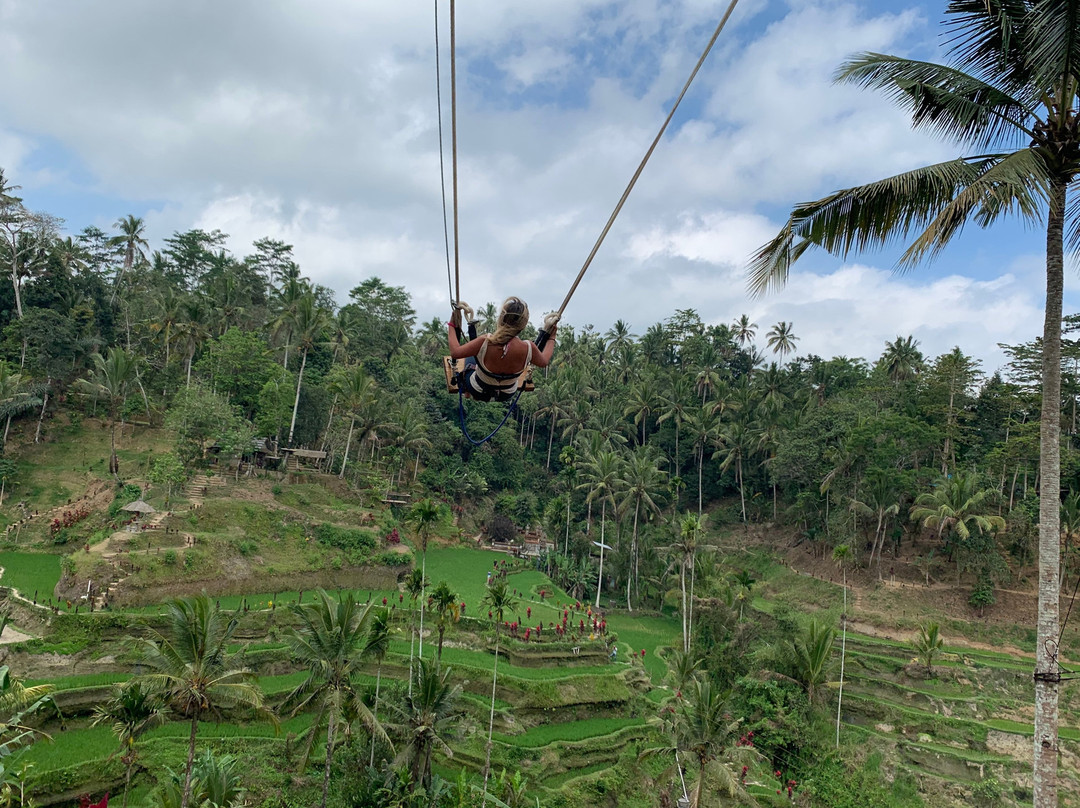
point(987, 38)
point(1052, 40)
point(943, 99)
point(1015, 183)
point(863, 217)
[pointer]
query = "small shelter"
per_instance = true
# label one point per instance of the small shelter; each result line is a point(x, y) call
point(139, 508)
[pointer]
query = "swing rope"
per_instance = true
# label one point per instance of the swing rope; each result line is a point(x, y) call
point(442, 161)
point(461, 417)
point(453, 147)
point(645, 159)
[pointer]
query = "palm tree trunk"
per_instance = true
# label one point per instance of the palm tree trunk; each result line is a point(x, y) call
point(551, 437)
point(186, 798)
point(566, 548)
point(375, 710)
point(423, 587)
point(742, 491)
point(348, 443)
point(1047, 673)
point(127, 782)
point(700, 463)
point(600, 579)
point(491, 718)
point(329, 758)
point(685, 628)
point(296, 403)
point(843, 651)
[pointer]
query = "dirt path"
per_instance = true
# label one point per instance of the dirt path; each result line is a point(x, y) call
point(12, 634)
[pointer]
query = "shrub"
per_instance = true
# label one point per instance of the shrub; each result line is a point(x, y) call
point(502, 529)
point(343, 538)
point(393, 559)
point(169, 559)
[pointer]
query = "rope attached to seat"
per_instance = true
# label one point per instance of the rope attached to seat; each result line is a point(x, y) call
point(645, 159)
point(461, 416)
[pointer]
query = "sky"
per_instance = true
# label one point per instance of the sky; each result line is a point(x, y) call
point(316, 122)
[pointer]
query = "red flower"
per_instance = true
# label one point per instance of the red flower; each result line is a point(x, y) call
point(384, 601)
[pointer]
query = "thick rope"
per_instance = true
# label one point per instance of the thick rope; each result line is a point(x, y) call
point(442, 162)
point(453, 147)
point(645, 159)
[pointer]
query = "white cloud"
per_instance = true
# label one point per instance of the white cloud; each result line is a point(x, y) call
point(315, 123)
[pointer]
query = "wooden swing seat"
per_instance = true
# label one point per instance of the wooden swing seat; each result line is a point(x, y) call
point(453, 367)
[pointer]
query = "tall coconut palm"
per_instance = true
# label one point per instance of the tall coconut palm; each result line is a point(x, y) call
point(308, 323)
point(424, 516)
point(880, 501)
point(781, 339)
point(842, 557)
point(736, 445)
point(356, 390)
point(132, 245)
point(701, 728)
point(190, 668)
point(424, 721)
point(415, 584)
point(684, 550)
point(601, 472)
point(498, 600)
point(1010, 92)
point(444, 602)
point(644, 399)
point(641, 482)
point(330, 642)
point(902, 359)
point(130, 712)
point(744, 329)
point(377, 647)
point(674, 407)
point(112, 377)
point(704, 427)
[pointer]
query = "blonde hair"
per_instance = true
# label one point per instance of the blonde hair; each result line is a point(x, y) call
point(513, 317)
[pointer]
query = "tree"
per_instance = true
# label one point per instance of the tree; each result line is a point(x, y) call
point(130, 712)
point(745, 329)
point(201, 420)
point(331, 641)
point(702, 728)
point(424, 516)
point(954, 507)
point(112, 378)
point(1010, 93)
point(902, 359)
point(704, 426)
point(602, 472)
point(927, 644)
point(641, 481)
point(880, 501)
point(18, 706)
point(842, 556)
point(415, 583)
point(191, 670)
point(444, 602)
point(498, 600)
point(781, 339)
point(357, 392)
point(131, 243)
point(377, 647)
point(308, 323)
point(25, 237)
point(425, 719)
point(810, 654)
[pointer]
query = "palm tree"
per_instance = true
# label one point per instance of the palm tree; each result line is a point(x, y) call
point(131, 243)
point(414, 587)
point(781, 339)
point(880, 501)
point(425, 719)
point(377, 647)
point(444, 602)
point(683, 668)
point(308, 323)
point(702, 727)
point(674, 403)
point(618, 336)
point(498, 600)
point(602, 478)
point(643, 399)
point(927, 645)
point(641, 480)
point(704, 427)
point(357, 391)
point(902, 359)
point(190, 668)
point(1010, 93)
point(130, 712)
point(18, 703)
point(810, 654)
point(842, 556)
point(684, 549)
point(191, 330)
point(736, 445)
point(330, 642)
point(112, 377)
point(957, 504)
point(423, 516)
point(744, 329)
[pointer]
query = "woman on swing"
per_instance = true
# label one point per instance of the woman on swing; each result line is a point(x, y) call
point(496, 364)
